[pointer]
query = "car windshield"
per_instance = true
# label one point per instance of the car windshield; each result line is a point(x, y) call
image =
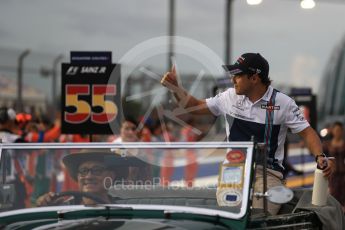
point(155, 176)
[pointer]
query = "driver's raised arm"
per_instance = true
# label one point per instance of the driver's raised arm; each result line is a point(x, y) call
point(49, 199)
point(184, 99)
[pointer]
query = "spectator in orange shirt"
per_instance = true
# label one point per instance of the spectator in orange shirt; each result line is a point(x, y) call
point(44, 131)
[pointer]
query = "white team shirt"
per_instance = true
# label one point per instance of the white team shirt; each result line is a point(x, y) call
point(245, 119)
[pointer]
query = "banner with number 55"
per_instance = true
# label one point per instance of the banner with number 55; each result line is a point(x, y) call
point(90, 98)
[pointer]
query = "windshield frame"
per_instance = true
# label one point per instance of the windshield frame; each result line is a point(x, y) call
point(249, 146)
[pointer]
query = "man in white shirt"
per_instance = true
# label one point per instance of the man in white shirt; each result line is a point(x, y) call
point(254, 108)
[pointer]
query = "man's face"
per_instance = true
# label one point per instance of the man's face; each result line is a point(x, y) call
point(242, 84)
point(91, 177)
point(129, 132)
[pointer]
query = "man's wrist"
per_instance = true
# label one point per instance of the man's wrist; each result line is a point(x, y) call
point(180, 94)
point(319, 155)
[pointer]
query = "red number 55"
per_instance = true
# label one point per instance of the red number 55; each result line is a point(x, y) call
point(83, 108)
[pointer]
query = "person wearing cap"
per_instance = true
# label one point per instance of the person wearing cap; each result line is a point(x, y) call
point(253, 108)
point(92, 170)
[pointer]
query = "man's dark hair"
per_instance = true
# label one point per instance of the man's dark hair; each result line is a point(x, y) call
point(265, 80)
point(3, 115)
point(338, 123)
point(131, 120)
point(7, 114)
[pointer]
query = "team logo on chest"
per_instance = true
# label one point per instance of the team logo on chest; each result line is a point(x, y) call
point(239, 103)
point(270, 107)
